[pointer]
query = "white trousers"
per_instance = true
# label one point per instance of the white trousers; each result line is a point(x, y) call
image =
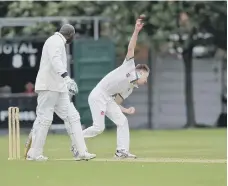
point(48, 103)
point(74, 129)
point(101, 105)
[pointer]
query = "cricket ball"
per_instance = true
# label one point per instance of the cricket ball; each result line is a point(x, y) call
point(142, 16)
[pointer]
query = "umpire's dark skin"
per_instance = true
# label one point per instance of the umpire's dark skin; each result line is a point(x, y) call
point(68, 32)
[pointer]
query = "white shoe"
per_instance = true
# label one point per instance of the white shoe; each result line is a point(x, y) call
point(86, 156)
point(39, 158)
point(78, 157)
point(124, 154)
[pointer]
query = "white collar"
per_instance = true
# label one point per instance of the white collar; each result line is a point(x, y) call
point(64, 39)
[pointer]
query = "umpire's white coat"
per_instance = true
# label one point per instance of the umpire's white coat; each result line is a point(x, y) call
point(53, 64)
point(52, 94)
point(50, 86)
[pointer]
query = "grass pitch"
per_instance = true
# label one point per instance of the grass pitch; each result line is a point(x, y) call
point(172, 158)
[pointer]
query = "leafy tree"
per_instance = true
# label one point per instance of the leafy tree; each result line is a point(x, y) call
point(46, 8)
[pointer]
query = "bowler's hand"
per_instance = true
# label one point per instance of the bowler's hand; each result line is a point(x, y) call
point(139, 23)
point(130, 110)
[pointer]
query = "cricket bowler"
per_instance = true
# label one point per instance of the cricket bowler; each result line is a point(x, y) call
point(53, 86)
point(109, 93)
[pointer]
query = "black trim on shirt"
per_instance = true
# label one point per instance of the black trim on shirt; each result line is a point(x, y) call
point(119, 95)
point(64, 74)
point(114, 95)
point(129, 58)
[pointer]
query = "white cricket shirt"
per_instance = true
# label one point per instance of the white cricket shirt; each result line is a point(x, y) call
point(53, 64)
point(119, 81)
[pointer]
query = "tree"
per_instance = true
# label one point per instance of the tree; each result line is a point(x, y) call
point(202, 17)
point(46, 8)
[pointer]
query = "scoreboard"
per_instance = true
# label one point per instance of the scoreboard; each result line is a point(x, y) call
point(19, 62)
point(20, 54)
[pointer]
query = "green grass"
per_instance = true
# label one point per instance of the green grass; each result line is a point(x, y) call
point(182, 144)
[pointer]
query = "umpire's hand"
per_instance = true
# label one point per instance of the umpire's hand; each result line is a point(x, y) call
point(71, 85)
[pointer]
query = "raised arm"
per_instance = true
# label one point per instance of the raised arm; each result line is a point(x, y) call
point(132, 44)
